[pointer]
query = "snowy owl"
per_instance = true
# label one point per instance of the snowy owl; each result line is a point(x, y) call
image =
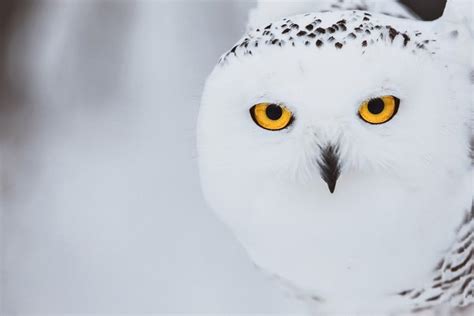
point(334, 141)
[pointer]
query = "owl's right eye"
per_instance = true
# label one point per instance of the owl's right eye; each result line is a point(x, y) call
point(271, 116)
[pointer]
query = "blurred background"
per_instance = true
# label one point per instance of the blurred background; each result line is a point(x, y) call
point(101, 210)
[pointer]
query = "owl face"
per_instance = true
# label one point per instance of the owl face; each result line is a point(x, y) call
point(324, 142)
point(329, 119)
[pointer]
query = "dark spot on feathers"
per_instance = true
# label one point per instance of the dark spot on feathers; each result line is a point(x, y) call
point(358, 29)
point(469, 215)
point(406, 39)
point(341, 21)
point(440, 264)
point(343, 27)
point(403, 293)
point(463, 263)
point(285, 31)
point(319, 43)
point(320, 30)
point(419, 310)
point(466, 283)
point(274, 41)
point(294, 26)
point(366, 19)
point(301, 33)
point(268, 26)
point(434, 298)
point(312, 35)
point(352, 35)
point(331, 39)
point(338, 45)
point(306, 43)
point(309, 27)
point(464, 247)
point(331, 30)
point(392, 33)
point(364, 44)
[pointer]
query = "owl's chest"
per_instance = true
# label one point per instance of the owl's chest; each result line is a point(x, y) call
point(354, 246)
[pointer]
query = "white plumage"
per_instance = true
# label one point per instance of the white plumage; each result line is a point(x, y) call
point(396, 236)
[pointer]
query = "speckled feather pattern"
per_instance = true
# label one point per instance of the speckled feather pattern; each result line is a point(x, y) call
point(453, 280)
point(357, 28)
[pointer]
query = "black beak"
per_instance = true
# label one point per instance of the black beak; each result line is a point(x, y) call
point(329, 165)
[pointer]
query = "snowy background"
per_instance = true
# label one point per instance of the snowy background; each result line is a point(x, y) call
point(101, 210)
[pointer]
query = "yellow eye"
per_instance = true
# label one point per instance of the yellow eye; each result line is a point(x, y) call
point(271, 116)
point(379, 110)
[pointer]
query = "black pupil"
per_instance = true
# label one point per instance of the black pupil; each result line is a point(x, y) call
point(274, 112)
point(376, 106)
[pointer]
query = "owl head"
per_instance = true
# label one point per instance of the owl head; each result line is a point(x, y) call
point(334, 106)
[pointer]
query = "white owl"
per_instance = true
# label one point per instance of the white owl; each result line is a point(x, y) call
point(336, 146)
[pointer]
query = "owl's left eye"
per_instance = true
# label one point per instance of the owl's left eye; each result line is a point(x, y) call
point(379, 110)
point(271, 116)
